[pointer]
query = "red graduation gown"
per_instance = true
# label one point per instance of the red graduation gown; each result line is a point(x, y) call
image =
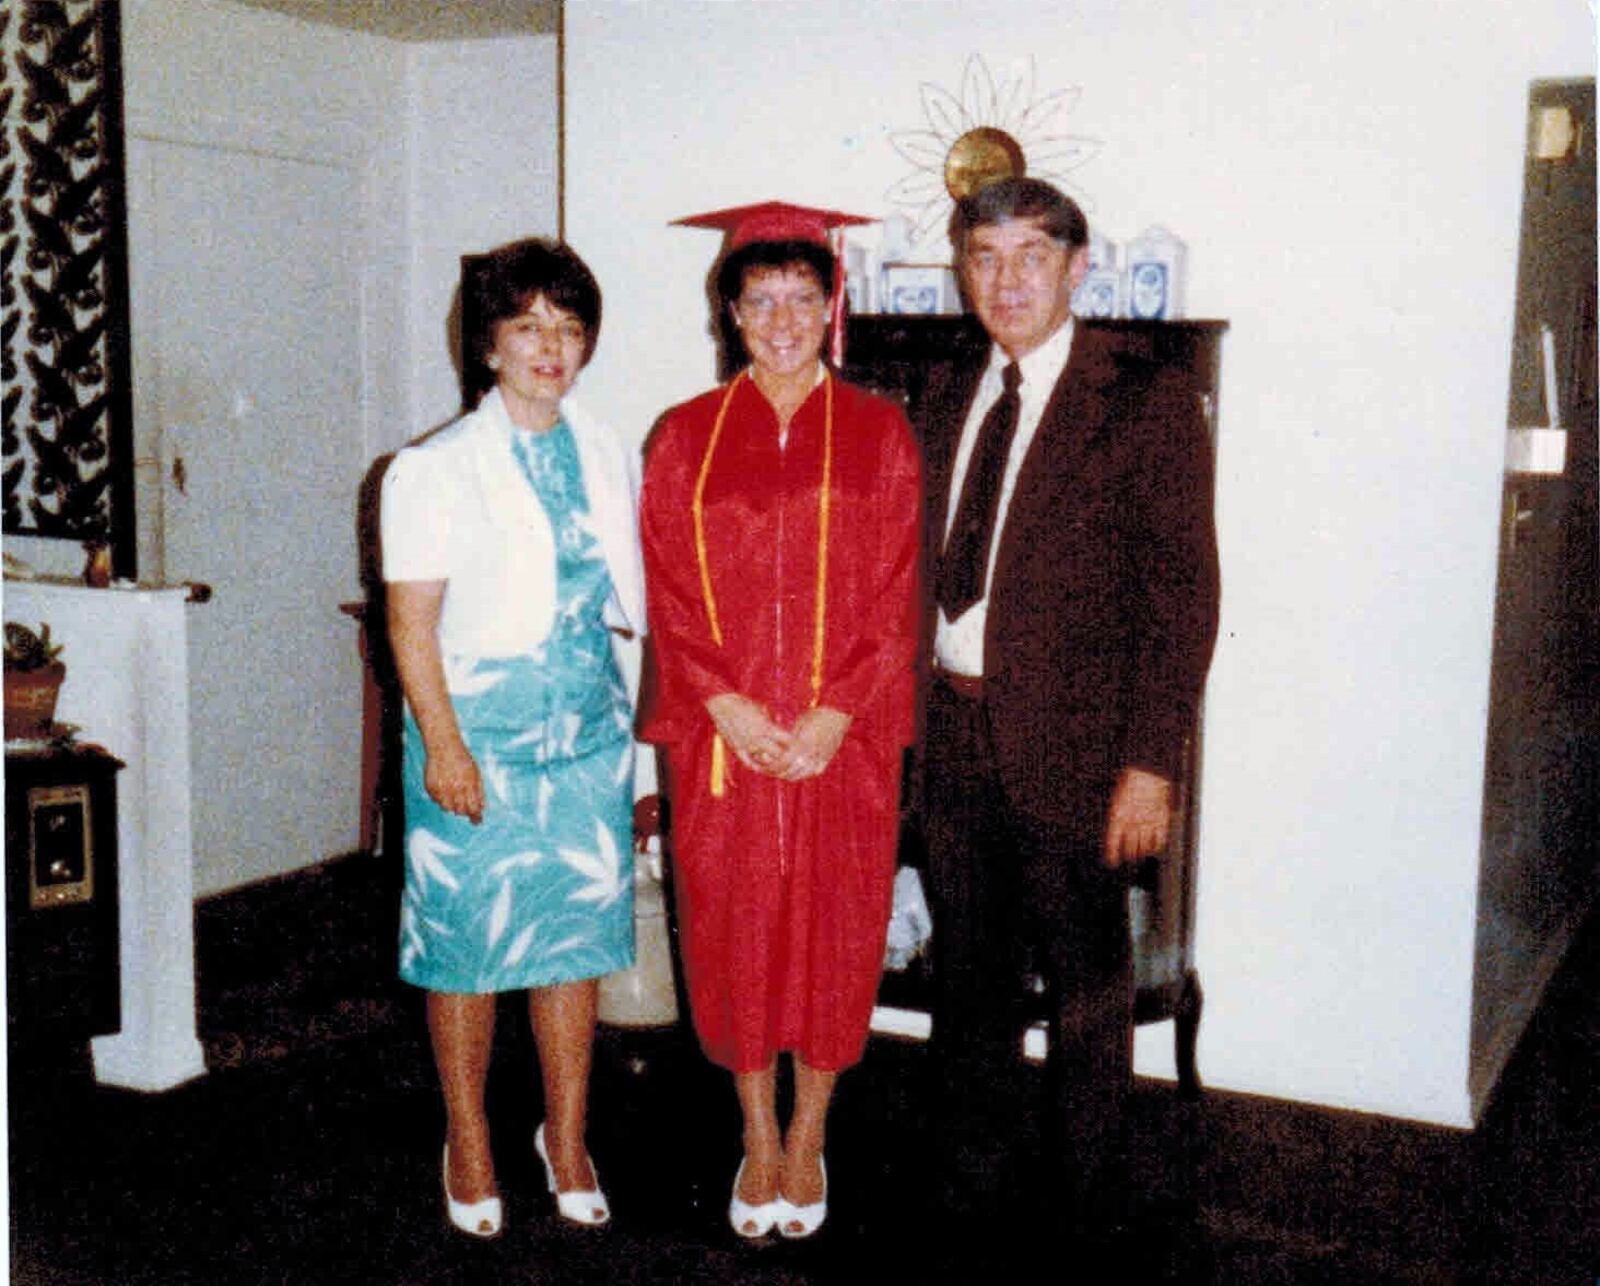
point(784, 888)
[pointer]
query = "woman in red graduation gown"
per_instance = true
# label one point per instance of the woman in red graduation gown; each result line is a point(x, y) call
point(780, 528)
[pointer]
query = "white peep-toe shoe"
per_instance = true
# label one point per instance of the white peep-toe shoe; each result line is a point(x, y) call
point(808, 1218)
point(751, 1221)
point(481, 1219)
point(588, 1208)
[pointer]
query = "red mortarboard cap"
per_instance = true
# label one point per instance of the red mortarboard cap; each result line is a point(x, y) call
point(773, 221)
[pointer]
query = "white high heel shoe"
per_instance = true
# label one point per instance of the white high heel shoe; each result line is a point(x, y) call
point(481, 1219)
point(588, 1208)
point(809, 1217)
point(750, 1221)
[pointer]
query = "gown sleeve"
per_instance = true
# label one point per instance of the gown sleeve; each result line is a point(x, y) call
point(688, 665)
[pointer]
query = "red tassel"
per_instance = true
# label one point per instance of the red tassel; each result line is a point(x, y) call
point(836, 339)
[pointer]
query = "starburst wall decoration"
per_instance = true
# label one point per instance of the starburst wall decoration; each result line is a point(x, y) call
point(991, 130)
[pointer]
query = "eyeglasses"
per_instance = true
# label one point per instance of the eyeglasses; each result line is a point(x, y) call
point(762, 306)
point(567, 331)
point(1028, 261)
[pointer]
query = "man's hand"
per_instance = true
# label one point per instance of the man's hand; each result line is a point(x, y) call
point(756, 741)
point(1139, 817)
point(817, 735)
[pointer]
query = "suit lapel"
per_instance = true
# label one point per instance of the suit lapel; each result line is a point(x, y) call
point(1075, 415)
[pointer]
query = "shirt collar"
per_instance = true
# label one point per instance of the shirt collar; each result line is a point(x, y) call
point(1040, 368)
point(493, 408)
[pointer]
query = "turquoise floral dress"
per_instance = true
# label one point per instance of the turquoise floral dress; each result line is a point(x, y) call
point(541, 891)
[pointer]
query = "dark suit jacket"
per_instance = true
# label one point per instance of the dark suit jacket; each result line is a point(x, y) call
point(1103, 607)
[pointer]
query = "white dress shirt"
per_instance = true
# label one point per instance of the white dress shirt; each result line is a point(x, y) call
point(958, 645)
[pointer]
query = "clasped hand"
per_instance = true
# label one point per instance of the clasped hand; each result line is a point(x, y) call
point(765, 746)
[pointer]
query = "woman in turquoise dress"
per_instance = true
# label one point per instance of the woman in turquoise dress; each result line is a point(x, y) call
point(509, 551)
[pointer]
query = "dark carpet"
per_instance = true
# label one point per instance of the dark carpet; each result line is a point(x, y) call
point(310, 1153)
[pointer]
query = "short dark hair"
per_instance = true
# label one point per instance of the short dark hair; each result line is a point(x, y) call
point(1059, 216)
point(816, 259)
point(507, 279)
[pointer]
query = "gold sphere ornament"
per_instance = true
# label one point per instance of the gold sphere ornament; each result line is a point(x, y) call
point(979, 157)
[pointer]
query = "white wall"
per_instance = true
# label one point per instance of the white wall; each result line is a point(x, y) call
point(264, 341)
point(1347, 177)
point(224, 76)
point(481, 170)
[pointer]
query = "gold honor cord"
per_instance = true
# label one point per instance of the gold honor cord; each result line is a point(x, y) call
point(824, 514)
point(719, 751)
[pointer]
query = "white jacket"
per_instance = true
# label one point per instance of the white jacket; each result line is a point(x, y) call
point(456, 508)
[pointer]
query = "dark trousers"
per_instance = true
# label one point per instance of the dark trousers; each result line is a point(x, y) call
point(995, 922)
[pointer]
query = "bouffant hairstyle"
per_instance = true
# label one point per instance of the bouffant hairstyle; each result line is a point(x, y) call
point(508, 279)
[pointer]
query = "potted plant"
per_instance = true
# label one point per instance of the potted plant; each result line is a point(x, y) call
point(33, 682)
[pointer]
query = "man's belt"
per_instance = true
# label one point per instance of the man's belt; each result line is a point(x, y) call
point(969, 686)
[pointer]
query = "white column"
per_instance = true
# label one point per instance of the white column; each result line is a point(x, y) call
point(127, 688)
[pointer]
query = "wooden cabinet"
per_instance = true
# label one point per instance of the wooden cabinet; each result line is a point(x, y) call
point(898, 355)
point(62, 971)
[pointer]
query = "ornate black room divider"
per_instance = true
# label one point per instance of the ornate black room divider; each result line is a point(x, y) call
point(64, 368)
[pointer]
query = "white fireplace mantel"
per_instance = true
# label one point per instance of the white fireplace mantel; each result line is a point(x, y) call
point(127, 689)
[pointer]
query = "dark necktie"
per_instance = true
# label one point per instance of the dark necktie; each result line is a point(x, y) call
point(966, 548)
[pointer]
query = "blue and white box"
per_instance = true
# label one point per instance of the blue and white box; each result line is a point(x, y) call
point(1100, 292)
point(1154, 275)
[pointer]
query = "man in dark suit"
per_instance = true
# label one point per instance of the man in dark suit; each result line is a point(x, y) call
point(1074, 573)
